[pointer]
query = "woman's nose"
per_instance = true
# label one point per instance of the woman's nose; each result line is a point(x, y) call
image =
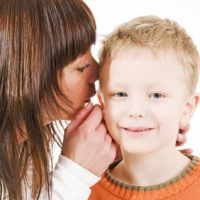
point(94, 73)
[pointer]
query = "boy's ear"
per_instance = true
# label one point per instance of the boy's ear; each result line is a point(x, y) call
point(100, 99)
point(189, 109)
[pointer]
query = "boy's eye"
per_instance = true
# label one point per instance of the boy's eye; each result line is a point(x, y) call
point(81, 69)
point(156, 95)
point(121, 94)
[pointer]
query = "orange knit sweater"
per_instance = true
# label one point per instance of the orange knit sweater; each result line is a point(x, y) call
point(185, 186)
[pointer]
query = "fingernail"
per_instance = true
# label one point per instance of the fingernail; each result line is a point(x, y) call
point(180, 136)
point(89, 105)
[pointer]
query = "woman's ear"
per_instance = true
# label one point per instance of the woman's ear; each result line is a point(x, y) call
point(100, 99)
point(189, 109)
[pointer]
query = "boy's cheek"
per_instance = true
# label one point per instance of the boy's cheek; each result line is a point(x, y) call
point(108, 117)
point(111, 126)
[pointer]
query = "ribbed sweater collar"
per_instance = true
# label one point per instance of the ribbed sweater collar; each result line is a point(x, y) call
point(163, 190)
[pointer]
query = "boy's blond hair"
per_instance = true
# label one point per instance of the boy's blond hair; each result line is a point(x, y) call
point(158, 35)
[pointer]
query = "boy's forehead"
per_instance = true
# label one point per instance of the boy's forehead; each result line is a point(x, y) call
point(116, 67)
point(145, 52)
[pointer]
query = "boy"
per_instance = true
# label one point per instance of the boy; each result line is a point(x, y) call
point(149, 72)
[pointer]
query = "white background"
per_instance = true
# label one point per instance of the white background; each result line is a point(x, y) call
point(110, 13)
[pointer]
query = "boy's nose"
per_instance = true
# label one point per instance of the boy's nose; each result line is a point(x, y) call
point(137, 115)
point(137, 109)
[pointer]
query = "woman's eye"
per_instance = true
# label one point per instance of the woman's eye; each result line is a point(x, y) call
point(120, 94)
point(156, 95)
point(81, 69)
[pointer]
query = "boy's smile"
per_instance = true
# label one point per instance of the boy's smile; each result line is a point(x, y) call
point(139, 131)
point(144, 99)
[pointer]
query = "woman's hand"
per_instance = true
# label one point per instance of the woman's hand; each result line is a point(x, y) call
point(86, 141)
point(182, 138)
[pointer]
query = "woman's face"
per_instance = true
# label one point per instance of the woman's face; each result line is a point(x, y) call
point(77, 83)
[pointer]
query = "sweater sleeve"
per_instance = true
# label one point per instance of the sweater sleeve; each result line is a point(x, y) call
point(71, 181)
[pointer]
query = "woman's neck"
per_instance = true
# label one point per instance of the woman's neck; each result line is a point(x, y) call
point(150, 169)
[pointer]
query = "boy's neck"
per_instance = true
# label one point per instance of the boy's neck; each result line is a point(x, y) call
point(151, 169)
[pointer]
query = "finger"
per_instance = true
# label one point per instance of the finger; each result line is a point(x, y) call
point(80, 117)
point(101, 129)
point(108, 138)
point(181, 139)
point(179, 144)
point(94, 118)
point(113, 145)
point(184, 129)
point(187, 151)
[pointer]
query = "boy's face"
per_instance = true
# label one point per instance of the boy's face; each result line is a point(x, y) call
point(145, 100)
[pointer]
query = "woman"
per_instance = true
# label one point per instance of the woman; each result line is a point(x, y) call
point(47, 73)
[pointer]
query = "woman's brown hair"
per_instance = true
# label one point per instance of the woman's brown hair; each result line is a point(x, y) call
point(38, 38)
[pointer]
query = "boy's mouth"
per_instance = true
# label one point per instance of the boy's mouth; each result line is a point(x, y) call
point(138, 131)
